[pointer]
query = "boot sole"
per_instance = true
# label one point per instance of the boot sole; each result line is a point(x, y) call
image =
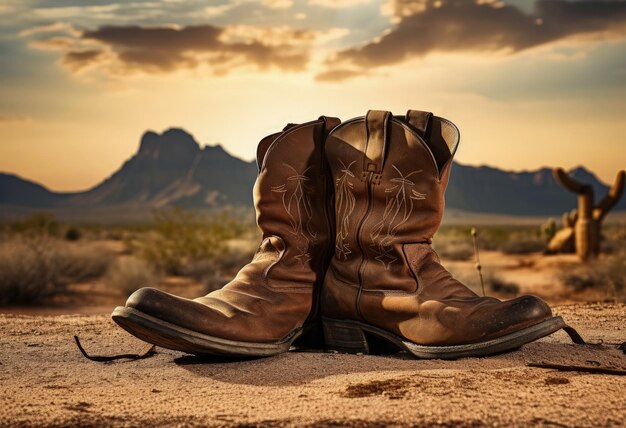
point(167, 335)
point(355, 337)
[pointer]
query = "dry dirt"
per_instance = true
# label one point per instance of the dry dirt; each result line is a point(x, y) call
point(45, 381)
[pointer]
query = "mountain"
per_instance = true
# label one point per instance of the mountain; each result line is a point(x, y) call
point(529, 193)
point(172, 169)
point(17, 191)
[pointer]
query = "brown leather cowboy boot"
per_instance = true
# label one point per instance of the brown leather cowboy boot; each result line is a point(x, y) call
point(274, 299)
point(385, 281)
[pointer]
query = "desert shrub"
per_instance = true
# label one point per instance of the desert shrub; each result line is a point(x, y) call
point(607, 274)
point(25, 273)
point(548, 230)
point(179, 240)
point(129, 274)
point(493, 282)
point(216, 272)
point(33, 268)
point(454, 243)
point(78, 263)
point(498, 284)
point(490, 238)
point(613, 238)
point(523, 246)
point(454, 249)
point(498, 238)
point(38, 224)
point(73, 234)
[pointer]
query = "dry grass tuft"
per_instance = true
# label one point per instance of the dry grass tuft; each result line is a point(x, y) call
point(454, 244)
point(182, 242)
point(454, 249)
point(129, 273)
point(494, 283)
point(523, 246)
point(36, 267)
point(607, 274)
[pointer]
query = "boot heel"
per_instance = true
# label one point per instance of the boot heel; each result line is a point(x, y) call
point(344, 336)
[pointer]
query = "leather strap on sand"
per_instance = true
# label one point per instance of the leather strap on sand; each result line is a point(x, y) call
point(420, 120)
point(595, 369)
point(377, 123)
point(148, 351)
point(574, 335)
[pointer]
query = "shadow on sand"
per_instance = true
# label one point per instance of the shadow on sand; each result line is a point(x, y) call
point(298, 368)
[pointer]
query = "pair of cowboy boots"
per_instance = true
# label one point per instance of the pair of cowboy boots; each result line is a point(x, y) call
point(347, 212)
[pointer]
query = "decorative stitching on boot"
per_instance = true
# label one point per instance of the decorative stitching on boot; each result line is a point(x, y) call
point(398, 209)
point(297, 204)
point(345, 204)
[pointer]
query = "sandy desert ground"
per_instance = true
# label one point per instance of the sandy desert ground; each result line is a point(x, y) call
point(46, 381)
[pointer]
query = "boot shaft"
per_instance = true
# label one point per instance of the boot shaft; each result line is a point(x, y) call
point(290, 196)
point(390, 175)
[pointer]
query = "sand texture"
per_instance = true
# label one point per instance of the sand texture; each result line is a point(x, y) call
point(45, 381)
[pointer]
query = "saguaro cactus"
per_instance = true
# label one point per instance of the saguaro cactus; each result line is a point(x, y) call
point(588, 220)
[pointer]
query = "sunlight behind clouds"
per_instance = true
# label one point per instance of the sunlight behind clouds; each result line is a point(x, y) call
point(92, 75)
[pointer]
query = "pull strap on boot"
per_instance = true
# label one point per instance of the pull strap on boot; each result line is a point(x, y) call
point(377, 122)
point(421, 121)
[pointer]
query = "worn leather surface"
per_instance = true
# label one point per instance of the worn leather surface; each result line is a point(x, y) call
point(390, 175)
point(277, 292)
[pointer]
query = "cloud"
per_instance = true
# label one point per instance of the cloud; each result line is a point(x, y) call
point(278, 4)
point(56, 43)
point(54, 27)
point(9, 119)
point(106, 11)
point(427, 26)
point(213, 11)
point(77, 61)
point(335, 75)
point(337, 4)
point(163, 49)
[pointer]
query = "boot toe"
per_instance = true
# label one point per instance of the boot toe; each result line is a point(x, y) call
point(166, 307)
point(530, 309)
point(149, 300)
point(180, 311)
point(519, 313)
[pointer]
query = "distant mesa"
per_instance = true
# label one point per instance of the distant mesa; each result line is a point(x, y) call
point(173, 142)
point(172, 169)
point(169, 169)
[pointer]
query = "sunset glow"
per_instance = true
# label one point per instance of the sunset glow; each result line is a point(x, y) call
point(529, 83)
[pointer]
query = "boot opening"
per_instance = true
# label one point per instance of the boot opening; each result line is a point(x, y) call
point(443, 140)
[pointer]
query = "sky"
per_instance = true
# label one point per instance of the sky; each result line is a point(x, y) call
point(529, 83)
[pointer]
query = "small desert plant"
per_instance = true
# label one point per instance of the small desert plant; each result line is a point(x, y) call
point(497, 284)
point(33, 268)
point(523, 246)
point(454, 249)
point(548, 230)
point(613, 238)
point(490, 238)
point(454, 244)
point(74, 263)
point(220, 270)
point(607, 274)
point(38, 224)
point(494, 282)
point(129, 274)
point(73, 234)
point(180, 239)
point(25, 273)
